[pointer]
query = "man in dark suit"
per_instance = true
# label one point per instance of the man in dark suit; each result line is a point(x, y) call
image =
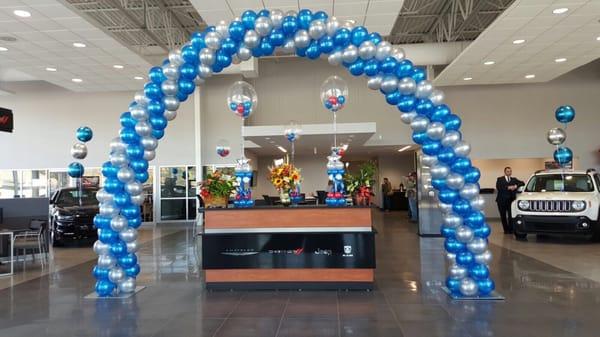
point(507, 192)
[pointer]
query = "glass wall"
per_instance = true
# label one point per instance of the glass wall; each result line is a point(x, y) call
point(177, 193)
point(23, 184)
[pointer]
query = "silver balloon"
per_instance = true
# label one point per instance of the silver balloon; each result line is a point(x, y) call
point(128, 234)
point(335, 58)
point(468, 287)
point(276, 18)
point(171, 103)
point(439, 171)
point(79, 151)
point(169, 87)
point(301, 39)
point(457, 272)
point(424, 89)
point(462, 149)
point(223, 29)
point(149, 143)
point(374, 83)
point(251, 39)
point(134, 188)
point(141, 99)
point(143, 128)
point(235, 59)
point(263, 26)
point(477, 203)
point(556, 136)
point(389, 84)
point(175, 57)
point(398, 53)
point(451, 258)
point(171, 71)
point(118, 223)
point(125, 174)
point(429, 160)
point(207, 57)
point(149, 155)
point(118, 159)
point(244, 53)
point(106, 261)
point(445, 208)
point(198, 81)
point(170, 114)
point(289, 47)
point(204, 71)
point(101, 248)
point(103, 196)
point(332, 24)
point(317, 29)
point(419, 124)
point(408, 117)
point(477, 246)
point(484, 258)
point(139, 113)
point(436, 130)
point(291, 12)
point(452, 220)
point(350, 54)
point(132, 246)
point(137, 199)
point(464, 234)
point(127, 285)
point(451, 138)
point(469, 191)
point(455, 181)
point(348, 24)
point(407, 86)
point(367, 50)
point(384, 49)
point(116, 274)
point(213, 40)
point(437, 97)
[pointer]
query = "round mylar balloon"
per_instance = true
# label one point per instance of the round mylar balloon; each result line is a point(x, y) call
point(334, 93)
point(242, 99)
point(556, 136)
point(84, 134)
point(565, 114)
point(223, 148)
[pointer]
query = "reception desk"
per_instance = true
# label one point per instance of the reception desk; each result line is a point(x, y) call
point(309, 247)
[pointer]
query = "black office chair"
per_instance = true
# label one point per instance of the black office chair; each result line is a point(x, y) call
point(321, 196)
point(268, 200)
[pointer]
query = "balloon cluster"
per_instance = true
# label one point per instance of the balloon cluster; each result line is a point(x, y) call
point(79, 151)
point(223, 148)
point(242, 99)
point(556, 136)
point(333, 93)
point(340, 150)
point(243, 176)
point(292, 132)
point(335, 172)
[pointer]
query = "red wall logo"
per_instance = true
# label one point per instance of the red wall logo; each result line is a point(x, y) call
point(4, 120)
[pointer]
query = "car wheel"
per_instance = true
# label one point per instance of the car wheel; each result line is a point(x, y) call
point(596, 235)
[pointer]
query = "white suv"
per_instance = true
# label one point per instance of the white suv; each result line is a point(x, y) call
point(558, 201)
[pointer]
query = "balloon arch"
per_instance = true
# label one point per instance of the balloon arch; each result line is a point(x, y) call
point(310, 35)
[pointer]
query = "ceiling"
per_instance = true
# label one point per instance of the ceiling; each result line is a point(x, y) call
point(571, 37)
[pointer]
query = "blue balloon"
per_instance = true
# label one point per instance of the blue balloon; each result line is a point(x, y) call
point(248, 18)
point(447, 232)
point(75, 170)
point(126, 120)
point(107, 235)
point(210, 29)
point(139, 165)
point(342, 37)
point(100, 273)
point(130, 211)
point(393, 98)
point(446, 155)
point(158, 122)
point(389, 65)
point(197, 40)
point(264, 12)
point(158, 134)
point(461, 165)
point(301, 52)
point(84, 134)
point(112, 185)
point(304, 18)
point(132, 271)
point(156, 107)
point(479, 272)
point(277, 38)
point(127, 261)
point(420, 137)
point(320, 15)
point(156, 75)
point(118, 248)
point(188, 71)
point(223, 61)
point(563, 155)
point(461, 207)
point(375, 38)
point(431, 148)
point(359, 34)
point(129, 136)
point(142, 177)
point(101, 222)
point(454, 246)
point(483, 231)
point(152, 91)
point(189, 55)
point(135, 222)
point(404, 69)
point(341, 100)
point(565, 114)
point(371, 67)
point(418, 75)
point(289, 25)
point(121, 199)
point(407, 103)
point(447, 196)
point(475, 219)
point(486, 286)
point(465, 258)
point(256, 52)
point(236, 31)
point(472, 175)
point(358, 68)
point(452, 122)
point(104, 288)
point(453, 285)
point(440, 113)
point(313, 52)
point(424, 107)
point(188, 87)
point(440, 184)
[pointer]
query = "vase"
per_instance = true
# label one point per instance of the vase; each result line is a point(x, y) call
point(284, 197)
point(215, 201)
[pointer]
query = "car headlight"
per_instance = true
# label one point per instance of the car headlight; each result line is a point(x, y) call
point(578, 205)
point(64, 217)
point(523, 205)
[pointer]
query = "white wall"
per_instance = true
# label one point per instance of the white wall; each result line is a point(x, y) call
point(46, 118)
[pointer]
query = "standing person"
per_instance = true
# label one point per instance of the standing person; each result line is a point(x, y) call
point(411, 194)
point(386, 193)
point(507, 192)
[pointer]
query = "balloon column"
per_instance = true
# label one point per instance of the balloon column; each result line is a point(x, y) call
point(79, 151)
point(292, 133)
point(242, 100)
point(335, 172)
point(223, 148)
point(310, 35)
point(557, 136)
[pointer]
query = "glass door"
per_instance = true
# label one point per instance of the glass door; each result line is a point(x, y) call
point(177, 193)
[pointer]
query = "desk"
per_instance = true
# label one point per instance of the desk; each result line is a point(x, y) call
point(304, 247)
point(10, 235)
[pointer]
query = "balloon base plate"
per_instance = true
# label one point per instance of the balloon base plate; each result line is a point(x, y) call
point(493, 296)
point(94, 296)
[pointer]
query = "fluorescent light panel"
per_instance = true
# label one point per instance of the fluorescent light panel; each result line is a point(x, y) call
point(404, 148)
point(282, 149)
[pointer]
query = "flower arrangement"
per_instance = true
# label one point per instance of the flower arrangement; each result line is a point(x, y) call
point(360, 185)
point(216, 189)
point(284, 177)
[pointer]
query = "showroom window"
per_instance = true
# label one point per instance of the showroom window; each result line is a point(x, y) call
point(177, 193)
point(23, 184)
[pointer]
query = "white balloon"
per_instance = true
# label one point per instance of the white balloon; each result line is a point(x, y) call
point(462, 149)
point(171, 103)
point(128, 234)
point(389, 84)
point(223, 29)
point(102, 196)
point(106, 261)
point(455, 181)
point(424, 89)
point(477, 246)
point(437, 97)
point(439, 171)
point(263, 25)
point(398, 53)
point(116, 274)
point(333, 24)
point(469, 191)
point(478, 203)
point(143, 128)
point(374, 83)
point(175, 57)
point(452, 220)
point(171, 71)
point(451, 138)
point(350, 54)
point(207, 57)
point(419, 124)
point(484, 258)
point(468, 287)
point(301, 39)
point(367, 50)
point(170, 115)
point(149, 143)
point(317, 29)
point(408, 117)
point(141, 99)
point(335, 58)
point(276, 18)
point(79, 151)
point(429, 160)
point(464, 234)
point(457, 272)
point(133, 188)
point(407, 86)
point(169, 87)
point(132, 246)
point(137, 199)
point(436, 130)
point(118, 223)
point(244, 53)
point(125, 174)
point(384, 50)
point(213, 40)
point(118, 159)
point(289, 47)
point(127, 285)
point(108, 209)
point(139, 113)
point(101, 248)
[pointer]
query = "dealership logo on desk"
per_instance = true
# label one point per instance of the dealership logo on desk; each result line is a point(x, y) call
point(239, 252)
point(348, 251)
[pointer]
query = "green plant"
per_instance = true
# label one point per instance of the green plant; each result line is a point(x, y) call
point(216, 185)
point(364, 178)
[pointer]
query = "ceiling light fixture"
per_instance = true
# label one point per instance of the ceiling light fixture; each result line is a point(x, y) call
point(467, 78)
point(560, 60)
point(489, 63)
point(118, 66)
point(282, 149)
point(51, 69)
point(3, 49)
point(77, 80)
point(79, 45)
point(404, 148)
point(519, 41)
point(561, 10)
point(139, 78)
point(598, 38)
point(530, 76)
point(267, 138)
point(21, 13)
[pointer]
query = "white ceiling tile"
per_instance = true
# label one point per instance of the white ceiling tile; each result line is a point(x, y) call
point(245, 4)
point(214, 16)
point(317, 5)
point(383, 30)
point(73, 23)
point(384, 7)
point(56, 11)
point(350, 9)
point(14, 26)
point(278, 4)
point(46, 24)
point(35, 3)
point(526, 11)
point(63, 35)
point(382, 20)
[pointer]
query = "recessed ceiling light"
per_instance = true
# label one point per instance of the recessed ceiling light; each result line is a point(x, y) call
point(598, 38)
point(518, 41)
point(3, 49)
point(50, 69)
point(560, 60)
point(77, 80)
point(79, 45)
point(489, 63)
point(118, 66)
point(138, 78)
point(561, 10)
point(467, 78)
point(282, 149)
point(530, 76)
point(21, 13)
point(267, 138)
point(272, 141)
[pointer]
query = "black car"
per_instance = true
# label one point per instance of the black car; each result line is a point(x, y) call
point(72, 215)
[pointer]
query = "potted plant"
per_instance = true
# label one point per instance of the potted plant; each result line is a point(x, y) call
point(285, 178)
point(216, 189)
point(361, 184)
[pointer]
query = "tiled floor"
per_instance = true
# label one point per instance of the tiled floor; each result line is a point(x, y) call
point(541, 299)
